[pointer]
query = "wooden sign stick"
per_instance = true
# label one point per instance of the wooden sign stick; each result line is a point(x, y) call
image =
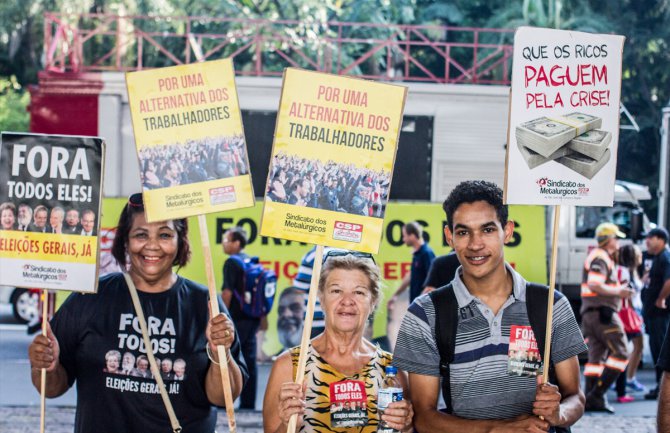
point(214, 305)
point(43, 378)
point(550, 301)
point(307, 327)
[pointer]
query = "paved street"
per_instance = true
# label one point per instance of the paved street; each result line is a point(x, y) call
point(20, 403)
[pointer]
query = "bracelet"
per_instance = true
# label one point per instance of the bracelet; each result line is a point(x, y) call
point(209, 355)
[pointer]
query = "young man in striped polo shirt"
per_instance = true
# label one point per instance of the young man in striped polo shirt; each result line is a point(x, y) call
point(486, 393)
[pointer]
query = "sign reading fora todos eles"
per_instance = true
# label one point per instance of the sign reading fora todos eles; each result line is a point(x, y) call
point(564, 118)
point(50, 189)
point(332, 160)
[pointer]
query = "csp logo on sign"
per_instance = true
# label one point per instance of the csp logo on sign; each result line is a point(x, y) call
point(349, 232)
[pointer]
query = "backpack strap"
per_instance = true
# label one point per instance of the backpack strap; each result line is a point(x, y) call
point(536, 309)
point(446, 324)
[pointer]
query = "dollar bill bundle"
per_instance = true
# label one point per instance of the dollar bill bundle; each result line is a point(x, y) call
point(587, 167)
point(572, 140)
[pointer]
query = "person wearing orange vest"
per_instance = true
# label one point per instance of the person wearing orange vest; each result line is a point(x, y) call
point(601, 300)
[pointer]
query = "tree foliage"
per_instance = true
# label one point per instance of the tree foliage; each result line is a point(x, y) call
point(646, 71)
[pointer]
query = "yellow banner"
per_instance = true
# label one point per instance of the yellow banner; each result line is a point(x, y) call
point(332, 160)
point(48, 247)
point(526, 252)
point(190, 140)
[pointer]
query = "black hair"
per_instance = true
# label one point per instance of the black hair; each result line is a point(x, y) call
point(238, 234)
point(471, 191)
point(133, 207)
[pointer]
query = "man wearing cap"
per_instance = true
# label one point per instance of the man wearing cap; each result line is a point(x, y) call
point(601, 300)
point(656, 278)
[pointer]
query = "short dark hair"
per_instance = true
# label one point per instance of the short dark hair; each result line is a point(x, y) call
point(133, 207)
point(413, 228)
point(658, 232)
point(238, 234)
point(291, 290)
point(471, 191)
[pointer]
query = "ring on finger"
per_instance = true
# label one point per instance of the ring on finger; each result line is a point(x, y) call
point(227, 333)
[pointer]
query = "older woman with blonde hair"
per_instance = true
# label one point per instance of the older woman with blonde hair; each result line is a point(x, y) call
point(339, 358)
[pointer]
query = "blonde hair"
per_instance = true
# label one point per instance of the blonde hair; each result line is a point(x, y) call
point(350, 262)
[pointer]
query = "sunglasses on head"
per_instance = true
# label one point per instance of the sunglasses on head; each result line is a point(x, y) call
point(135, 200)
point(342, 253)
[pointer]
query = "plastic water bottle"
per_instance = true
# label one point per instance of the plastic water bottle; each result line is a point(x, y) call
point(389, 392)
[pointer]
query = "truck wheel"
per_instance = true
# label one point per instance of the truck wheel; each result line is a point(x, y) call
point(25, 305)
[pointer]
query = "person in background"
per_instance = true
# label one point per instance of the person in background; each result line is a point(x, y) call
point(656, 262)
point(441, 272)
point(663, 415)
point(422, 257)
point(630, 258)
point(233, 290)
point(601, 295)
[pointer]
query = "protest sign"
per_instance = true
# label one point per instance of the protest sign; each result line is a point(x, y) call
point(50, 195)
point(332, 160)
point(564, 118)
point(190, 140)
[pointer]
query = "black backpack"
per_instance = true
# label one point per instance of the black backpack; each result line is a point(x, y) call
point(446, 323)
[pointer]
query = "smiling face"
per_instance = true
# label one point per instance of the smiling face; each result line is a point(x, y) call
point(152, 248)
point(478, 239)
point(112, 362)
point(7, 219)
point(346, 300)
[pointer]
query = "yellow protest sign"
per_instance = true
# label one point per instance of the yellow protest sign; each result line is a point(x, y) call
point(190, 140)
point(332, 160)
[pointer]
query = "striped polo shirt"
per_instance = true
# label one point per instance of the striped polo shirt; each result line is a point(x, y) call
point(481, 387)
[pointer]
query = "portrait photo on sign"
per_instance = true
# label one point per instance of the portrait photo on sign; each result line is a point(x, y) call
point(328, 185)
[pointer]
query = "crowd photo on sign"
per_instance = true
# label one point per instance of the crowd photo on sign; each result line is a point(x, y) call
point(195, 161)
point(328, 185)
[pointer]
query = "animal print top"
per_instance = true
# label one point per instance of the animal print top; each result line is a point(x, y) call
point(319, 375)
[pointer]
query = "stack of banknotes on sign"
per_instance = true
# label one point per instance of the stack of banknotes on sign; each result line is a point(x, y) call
point(573, 140)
